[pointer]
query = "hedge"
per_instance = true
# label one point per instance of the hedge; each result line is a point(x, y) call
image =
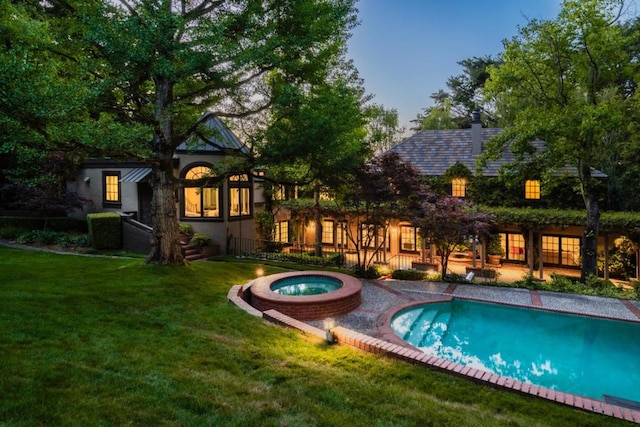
point(620, 222)
point(42, 223)
point(105, 230)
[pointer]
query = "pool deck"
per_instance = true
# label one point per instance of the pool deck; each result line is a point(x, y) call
point(380, 297)
point(368, 329)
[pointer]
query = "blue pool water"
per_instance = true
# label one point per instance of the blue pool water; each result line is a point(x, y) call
point(306, 285)
point(570, 353)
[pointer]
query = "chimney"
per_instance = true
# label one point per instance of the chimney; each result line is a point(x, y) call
point(476, 132)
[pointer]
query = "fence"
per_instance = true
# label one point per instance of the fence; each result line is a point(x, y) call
point(272, 250)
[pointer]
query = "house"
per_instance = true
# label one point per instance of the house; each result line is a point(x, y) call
point(451, 155)
point(441, 152)
point(218, 211)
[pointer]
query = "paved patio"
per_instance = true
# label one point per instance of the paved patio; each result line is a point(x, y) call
point(383, 296)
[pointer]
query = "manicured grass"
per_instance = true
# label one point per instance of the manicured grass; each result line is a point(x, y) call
point(111, 341)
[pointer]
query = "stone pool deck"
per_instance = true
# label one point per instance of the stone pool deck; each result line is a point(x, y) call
point(367, 328)
point(381, 296)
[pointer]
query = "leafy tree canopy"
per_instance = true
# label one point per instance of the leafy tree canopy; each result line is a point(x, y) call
point(132, 78)
point(452, 109)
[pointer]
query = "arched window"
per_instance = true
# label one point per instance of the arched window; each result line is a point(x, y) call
point(200, 202)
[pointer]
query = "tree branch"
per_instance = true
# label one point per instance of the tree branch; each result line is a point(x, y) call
point(202, 9)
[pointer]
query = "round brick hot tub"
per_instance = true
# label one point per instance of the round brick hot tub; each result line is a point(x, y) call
point(341, 296)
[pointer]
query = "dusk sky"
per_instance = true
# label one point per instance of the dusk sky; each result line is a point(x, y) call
point(407, 49)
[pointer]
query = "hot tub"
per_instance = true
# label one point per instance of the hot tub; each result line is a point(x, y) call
point(307, 295)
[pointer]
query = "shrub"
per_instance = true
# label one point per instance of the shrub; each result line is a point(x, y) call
point(271, 246)
point(528, 282)
point(200, 240)
point(328, 261)
point(408, 274)
point(636, 288)
point(337, 259)
point(186, 229)
point(456, 278)
point(46, 237)
point(72, 240)
point(371, 273)
point(10, 232)
point(40, 223)
point(105, 230)
point(494, 246)
point(487, 273)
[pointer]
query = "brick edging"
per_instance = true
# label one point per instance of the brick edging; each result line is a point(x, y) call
point(373, 345)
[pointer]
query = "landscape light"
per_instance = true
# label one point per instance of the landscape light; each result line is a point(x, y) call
point(328, 324)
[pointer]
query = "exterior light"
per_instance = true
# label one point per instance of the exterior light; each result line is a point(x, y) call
point(259, 272)
point(328, 324)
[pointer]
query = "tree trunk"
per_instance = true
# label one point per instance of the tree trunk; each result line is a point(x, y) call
point(165, 246)
point(589, 249)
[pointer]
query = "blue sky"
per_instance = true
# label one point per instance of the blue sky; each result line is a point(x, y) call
point(407, 49)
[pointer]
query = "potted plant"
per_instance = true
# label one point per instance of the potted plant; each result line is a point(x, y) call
point(494, 249)
point(185, 232)
point(200, 240)
point(204, 244)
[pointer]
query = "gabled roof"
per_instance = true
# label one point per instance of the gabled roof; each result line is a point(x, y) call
point(220, 138)
point(432, 152)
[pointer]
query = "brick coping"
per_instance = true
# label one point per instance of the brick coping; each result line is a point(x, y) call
point(338, 302)
point(404, 352)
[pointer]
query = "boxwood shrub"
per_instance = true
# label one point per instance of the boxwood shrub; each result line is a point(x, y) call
point(105, 230)
point(408, 274)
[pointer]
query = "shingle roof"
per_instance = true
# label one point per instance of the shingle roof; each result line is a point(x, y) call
point(432, 152)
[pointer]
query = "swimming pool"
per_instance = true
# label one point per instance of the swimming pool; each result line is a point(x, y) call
point(576, 354)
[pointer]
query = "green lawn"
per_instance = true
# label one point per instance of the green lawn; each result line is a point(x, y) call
point(111, 341)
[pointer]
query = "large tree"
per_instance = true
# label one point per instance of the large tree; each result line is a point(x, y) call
point(156, 66)
point(383, 128)
point(383, 190)
point(316, 134)
point(452, 108)
point(447, 222)
point(558, 83)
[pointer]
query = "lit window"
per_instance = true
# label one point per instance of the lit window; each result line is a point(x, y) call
point(341, 234)
point(279, 193)
point(459, 187)
point(408, 238)
point(239, 178)
point(561, 250)
point(112, 193)
point(200, 202)
point(111, 189)
point(281, 232)
point(532, 189)
point(513, 246)
point(367, 236)
point(369, 239)
point(570, 250)
point(325, 196)
point(239, 196)
point(327, 232)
